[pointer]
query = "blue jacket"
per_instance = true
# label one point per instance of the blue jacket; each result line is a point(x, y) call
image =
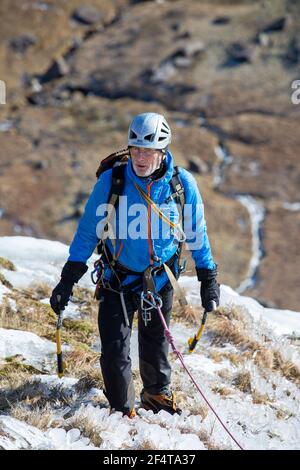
point(133, 244)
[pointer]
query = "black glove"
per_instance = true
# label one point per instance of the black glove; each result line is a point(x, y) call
point(210, 289)
point(60, 296)
point(71, 273)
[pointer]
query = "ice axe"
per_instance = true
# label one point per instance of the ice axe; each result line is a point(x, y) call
point(192, 342)
point(60, 363)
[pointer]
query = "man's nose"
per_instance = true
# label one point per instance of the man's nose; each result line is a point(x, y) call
point(141, 155)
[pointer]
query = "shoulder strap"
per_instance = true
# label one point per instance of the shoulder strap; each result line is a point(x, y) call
point(178, 194)
point(177, 188)
point(117, 184)
point(116, 190)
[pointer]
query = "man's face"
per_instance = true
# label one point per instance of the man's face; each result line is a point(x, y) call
point(145, 161)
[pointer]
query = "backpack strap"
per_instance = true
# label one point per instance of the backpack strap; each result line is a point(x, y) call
point(116, 190)
point(177, 188)
point(178, 194)
point(117, 184)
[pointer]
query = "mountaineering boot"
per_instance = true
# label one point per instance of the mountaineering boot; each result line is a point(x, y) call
point(131, 414)
point(162, 401)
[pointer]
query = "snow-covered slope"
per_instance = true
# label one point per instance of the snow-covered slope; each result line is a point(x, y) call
point(261, 414)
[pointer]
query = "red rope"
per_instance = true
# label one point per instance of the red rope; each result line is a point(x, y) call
point(180, 357)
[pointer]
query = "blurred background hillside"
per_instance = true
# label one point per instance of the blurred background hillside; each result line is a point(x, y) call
point(221, 71)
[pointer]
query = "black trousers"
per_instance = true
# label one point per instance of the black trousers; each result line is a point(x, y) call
point(115, 358)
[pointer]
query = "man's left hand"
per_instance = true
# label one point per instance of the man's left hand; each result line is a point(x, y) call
point(210, 289)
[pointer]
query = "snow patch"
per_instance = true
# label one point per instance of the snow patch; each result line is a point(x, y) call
point(38, 261)
point(33, 350)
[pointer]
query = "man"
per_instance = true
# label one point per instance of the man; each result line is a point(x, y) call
point(134, 263)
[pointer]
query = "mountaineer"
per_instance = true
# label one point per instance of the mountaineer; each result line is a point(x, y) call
point(140, 212)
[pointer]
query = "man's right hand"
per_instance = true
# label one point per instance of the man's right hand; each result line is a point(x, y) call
point(71, 273)
point(60, 296)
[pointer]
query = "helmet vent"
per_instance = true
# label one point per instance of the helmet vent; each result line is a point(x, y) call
point(132, 134)
point(149, 137)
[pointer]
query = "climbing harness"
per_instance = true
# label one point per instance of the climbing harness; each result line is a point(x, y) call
point(144, 280)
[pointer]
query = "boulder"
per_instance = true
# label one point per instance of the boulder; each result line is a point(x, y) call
point(239, 53)
point(87, 14)
point(221, 20)
point(277, 25)
point(21, 43)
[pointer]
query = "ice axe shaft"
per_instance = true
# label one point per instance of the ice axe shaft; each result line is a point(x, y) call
point(192, 342)
point(60, 364)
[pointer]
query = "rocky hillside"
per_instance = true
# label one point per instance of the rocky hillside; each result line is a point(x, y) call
point(221, 71)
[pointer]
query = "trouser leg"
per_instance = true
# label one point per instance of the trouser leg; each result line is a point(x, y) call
point(115, 350)
point(155, 369)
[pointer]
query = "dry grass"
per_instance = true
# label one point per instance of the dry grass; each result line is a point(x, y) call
point(34, 402)
point(11, 366)
point(207, 440)
point(189, 314)
point(289, 370)
point(31, 315)
point(87, 428)
point(13, 379)
point(242, 381)
point(185, 398)
point(88, 305)
point(229, 325)
point(88, 380)
point(39, 318)
point(217, 356)
point(80, 363)
point(7, 264)
point(5, 282)
point(41, 418)
point(260, 398)
point(224, 374)
point(37, 291)
point(35, 395)
point(263, 357)
point(235, 358)
point(223, 391)
point(195, 408)
point(284, 414)
point(146, 445)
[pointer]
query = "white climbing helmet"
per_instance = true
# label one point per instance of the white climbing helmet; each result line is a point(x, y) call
point(149, 130)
